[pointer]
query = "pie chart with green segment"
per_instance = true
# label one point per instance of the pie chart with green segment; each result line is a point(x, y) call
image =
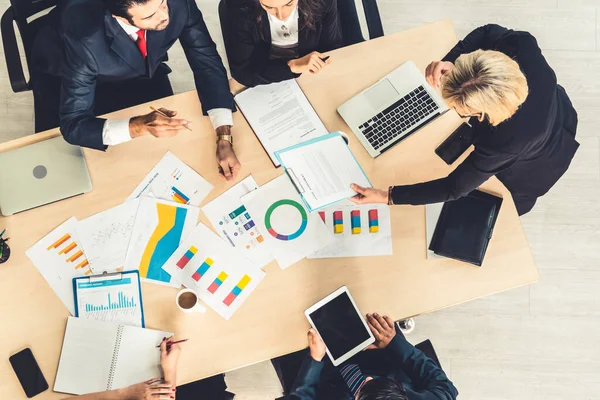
point(281, 203)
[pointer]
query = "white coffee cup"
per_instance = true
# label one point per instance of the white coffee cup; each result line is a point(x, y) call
point(187, 300)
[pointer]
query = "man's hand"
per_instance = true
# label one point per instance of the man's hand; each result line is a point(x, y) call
point(149, 390)
point(169, 358)
point(383, 329)
point(157, 125)
point(435, 71)
point(312, 62)
point(316, 345)
point(229, 166)
point(368, 195)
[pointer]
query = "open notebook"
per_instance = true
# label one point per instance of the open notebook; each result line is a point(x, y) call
point(98, 356)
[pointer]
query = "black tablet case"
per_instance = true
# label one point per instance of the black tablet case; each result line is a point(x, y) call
point(465, 227)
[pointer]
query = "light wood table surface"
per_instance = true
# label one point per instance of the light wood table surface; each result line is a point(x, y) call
point(271, 322)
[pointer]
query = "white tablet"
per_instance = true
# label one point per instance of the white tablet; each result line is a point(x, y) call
point(341, 325)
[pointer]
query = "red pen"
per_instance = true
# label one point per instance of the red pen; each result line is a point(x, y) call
point(169, 344)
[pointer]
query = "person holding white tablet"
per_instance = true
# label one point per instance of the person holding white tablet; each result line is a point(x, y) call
point(391, 369)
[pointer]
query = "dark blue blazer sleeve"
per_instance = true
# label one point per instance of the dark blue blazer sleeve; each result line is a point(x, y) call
point(305, 386)
point(428, 380)
point(78, 124)
point(201, 52)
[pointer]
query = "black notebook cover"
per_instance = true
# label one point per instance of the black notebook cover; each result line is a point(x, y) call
point(465, 227)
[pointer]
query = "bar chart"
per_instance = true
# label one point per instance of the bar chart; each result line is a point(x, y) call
point(111, 299)
point(122, 301)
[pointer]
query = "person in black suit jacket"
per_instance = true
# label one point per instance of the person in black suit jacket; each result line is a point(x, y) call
point(389, 369)
point(114, 53)
point(524, 123)
point(274, 40)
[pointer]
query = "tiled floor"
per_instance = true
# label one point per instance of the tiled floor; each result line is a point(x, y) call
point(537, 342)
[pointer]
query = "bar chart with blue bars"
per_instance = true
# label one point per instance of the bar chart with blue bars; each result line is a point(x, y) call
point(111, 300)
point(121, 301)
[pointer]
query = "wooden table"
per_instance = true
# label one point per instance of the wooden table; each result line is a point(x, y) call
point(271, 322)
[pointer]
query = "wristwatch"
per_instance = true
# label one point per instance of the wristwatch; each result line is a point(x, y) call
point(228, 138)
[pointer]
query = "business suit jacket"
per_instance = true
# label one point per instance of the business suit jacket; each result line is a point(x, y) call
point(421, 377)
point(528, 152)
point(248, 44)
point(96, 49)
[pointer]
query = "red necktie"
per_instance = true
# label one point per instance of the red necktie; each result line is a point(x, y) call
point(141, 42)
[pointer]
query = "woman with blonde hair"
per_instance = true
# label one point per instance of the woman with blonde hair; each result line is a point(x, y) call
point(523, 122)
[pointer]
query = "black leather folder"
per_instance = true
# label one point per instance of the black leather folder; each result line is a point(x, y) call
point(465, 227)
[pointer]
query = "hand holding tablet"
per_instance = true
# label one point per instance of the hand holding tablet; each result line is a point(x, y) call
point(341, 326)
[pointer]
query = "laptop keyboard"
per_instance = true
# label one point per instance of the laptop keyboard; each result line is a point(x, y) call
point(398, 118)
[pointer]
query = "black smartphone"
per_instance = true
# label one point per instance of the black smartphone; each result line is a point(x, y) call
point(29, 373)
point(456, 144)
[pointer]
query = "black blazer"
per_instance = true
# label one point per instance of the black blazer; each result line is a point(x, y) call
point(248, 44)
point(528, 152)
point(97, 49)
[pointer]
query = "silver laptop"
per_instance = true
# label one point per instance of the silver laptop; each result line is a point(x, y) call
point(392, 109)
point(41, 173)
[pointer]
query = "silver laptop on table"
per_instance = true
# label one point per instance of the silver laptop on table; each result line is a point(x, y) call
point(392, 109)
point(41, 173)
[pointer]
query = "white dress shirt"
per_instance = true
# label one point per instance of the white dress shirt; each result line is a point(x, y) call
point(284, 34)
point(117, 131)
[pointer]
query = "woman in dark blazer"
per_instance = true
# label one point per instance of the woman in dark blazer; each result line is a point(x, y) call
point(274, 40)
point(524, 123)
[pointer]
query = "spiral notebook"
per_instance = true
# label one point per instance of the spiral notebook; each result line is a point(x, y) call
point(98, 356)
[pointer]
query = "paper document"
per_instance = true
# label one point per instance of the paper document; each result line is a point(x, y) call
point(105, 236)
point(173, 180)
point(159, 229)
point(292, 233)
point(432, 214)
point(280, 115)
point(59, 258)
point(222, 278)
point(323, 170)
point(363, 230)
point(234, 224)
point(110, 298)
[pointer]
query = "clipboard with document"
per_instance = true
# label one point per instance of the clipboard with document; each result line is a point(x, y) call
point(322, 170)
point(115, 297)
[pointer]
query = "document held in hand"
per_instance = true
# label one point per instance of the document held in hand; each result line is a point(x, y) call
point(322, 170)
point(280, 115)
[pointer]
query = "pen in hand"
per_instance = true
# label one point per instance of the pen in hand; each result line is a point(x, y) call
point(165, 115)
point(169, 344)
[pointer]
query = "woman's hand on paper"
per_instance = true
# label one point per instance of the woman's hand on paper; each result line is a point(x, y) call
point(368, 195)
point(153, 389)
point(169, 358)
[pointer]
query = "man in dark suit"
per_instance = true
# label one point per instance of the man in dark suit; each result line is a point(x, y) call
point(390, 369)
point(114, 53)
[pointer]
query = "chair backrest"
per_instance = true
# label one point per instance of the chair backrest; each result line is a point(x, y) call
point(427, 348)
point(373, 18)
point(22, 10)
point(351, 32)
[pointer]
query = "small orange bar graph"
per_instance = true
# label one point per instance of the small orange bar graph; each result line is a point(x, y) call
point(75, 256)
point(67, 249)
point(82, 264)
point(59, 241)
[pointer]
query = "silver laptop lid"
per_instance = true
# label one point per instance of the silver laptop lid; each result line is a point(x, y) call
point(41, 173)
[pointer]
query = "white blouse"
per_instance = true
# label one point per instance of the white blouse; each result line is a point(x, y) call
point(284, 33)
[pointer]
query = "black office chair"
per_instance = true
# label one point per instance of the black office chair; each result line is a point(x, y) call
point(351, 31)
point(19, 12)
